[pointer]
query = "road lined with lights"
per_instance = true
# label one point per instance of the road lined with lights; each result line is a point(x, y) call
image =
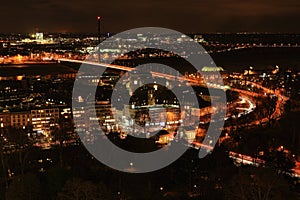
point(277, 113)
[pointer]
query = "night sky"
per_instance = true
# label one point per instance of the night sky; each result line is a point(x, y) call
point(119, 15)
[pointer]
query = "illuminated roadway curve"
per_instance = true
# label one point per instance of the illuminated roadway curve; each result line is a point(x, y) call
point(237, 157)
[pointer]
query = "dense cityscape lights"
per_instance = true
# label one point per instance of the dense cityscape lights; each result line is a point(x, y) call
point(40, 144)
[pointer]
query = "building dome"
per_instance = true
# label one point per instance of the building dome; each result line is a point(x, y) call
point(212, 69)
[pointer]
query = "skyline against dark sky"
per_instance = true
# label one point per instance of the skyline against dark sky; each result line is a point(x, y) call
point(117, 15)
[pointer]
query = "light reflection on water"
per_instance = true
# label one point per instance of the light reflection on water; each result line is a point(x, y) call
point(13, 71)
point(15, 66)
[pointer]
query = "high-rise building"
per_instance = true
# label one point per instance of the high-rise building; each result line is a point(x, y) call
point(20, 119)
point(39, 37)
point(44, 119)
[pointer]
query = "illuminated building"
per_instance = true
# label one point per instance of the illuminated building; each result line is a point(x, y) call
point(39, 37)
point(44, 119)
point(103, 117)
point(104, 113)
point(20, 119)
point(4, 120)
point(79, 115)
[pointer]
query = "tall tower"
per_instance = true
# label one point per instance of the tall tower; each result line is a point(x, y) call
point(39, 37)
point(99, 37)
point(151, 98)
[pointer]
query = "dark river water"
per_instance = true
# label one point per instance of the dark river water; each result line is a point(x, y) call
point(34, 69)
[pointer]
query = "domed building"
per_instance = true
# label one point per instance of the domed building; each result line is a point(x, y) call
point(212, 73)
point(212, 69)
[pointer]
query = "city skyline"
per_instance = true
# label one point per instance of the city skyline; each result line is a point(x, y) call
point(188, 16)
point(204, 108)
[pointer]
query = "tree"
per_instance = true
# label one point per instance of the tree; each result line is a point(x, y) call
point(258, 184)
point(3, 162)
point(280, 161)
point(19, 137)
point(270, 107)
point(24, 187)
point(76, 189)
point(61, 134)
point(55, 178)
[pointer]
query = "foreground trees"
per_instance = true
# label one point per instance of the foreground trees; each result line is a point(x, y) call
point(76, 189)
point(258, 184)
point(24, 187)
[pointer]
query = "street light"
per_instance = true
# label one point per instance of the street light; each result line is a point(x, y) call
point(99, 36)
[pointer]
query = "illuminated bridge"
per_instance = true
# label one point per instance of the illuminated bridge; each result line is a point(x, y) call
point(154, 74)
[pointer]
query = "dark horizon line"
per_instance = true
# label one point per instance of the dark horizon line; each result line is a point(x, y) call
point(188, 33)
